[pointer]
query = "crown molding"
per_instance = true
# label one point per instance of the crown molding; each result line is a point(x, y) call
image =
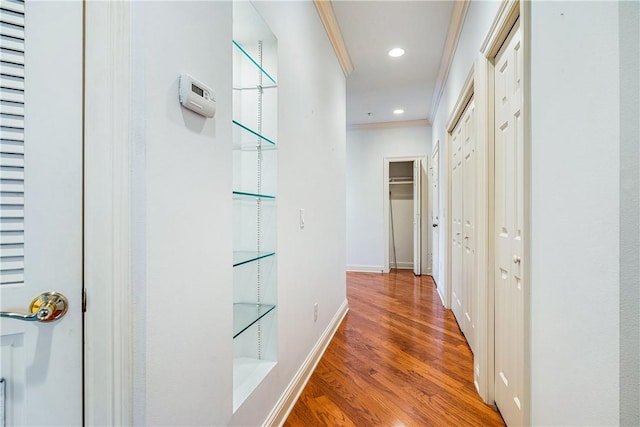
point(506, 16)
point(451, 43)
point(390, 125)
point(328, 17)
point(463, 100)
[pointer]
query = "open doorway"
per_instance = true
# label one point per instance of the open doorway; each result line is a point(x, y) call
point(401, 238)
point(404, 184)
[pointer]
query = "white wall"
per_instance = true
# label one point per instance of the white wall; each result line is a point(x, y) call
point(366, 150)
point(476, 25)
point(574, 203)
point(182, 216)
point(182, 248)
point(629, 213)
point(575, 209)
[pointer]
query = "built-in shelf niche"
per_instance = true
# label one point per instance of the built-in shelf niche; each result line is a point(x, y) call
point(254, 133)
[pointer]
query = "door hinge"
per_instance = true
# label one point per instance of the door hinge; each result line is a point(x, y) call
point(84, 300)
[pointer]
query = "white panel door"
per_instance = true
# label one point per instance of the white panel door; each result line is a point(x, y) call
point(463, 223)
point(456, 226)
point(41, 212)
point(469, 292)
point(509, 286)
point(417, 220)
point(435, 208)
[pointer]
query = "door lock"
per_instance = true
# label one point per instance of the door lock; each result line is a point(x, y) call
point(46, 307)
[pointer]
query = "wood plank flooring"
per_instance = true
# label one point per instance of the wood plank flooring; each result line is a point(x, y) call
point(397, 359)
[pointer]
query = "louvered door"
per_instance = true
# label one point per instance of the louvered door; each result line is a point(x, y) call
point(41, 209)
point(12, 156)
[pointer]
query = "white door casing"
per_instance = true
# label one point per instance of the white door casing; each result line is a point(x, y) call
point(509, 219)
point(41, 362)
point(417, 220)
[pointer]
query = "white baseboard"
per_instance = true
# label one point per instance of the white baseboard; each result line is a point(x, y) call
point(365, 268)
point(402, 265)
point(441, 296)
point(285, 404)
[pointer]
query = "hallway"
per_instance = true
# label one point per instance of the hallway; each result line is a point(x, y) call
point(398, 358)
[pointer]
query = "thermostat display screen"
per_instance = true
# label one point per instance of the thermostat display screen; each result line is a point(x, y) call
point(196, 96)
point(197, 90)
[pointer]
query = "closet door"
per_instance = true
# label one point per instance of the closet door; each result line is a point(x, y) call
point(456, 226)
point(509, 203)
point(463, 181)
point(41, 213)
point(469, 291)
point(435, 208)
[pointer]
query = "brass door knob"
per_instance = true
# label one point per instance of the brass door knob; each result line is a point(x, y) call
point(46, 307)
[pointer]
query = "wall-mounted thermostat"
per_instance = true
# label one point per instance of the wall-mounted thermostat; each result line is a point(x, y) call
point(196, 96)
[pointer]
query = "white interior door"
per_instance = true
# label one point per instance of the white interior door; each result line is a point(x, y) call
point(463, 179)
point(41, 212)
point(456, 225)
point(435, 212)
point(509, 203)
point(469, 291)
point(417, 220)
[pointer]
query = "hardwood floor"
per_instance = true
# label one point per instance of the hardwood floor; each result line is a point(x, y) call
point(398, 358)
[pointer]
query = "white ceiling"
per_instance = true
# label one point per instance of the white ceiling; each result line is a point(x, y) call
point(379, 84)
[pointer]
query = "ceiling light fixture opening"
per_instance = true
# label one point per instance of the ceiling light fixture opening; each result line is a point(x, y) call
point(398, 111)
point(396, 52)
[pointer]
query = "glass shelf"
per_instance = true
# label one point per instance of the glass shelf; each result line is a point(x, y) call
point(236, 44)
point(247, 314)
point(253, 132)
point(255, 163)
point(256, 195)
point(263, 87)
point(245, 257)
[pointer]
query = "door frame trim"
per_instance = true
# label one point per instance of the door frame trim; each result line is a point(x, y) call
point(508, 13)
point(108, 156)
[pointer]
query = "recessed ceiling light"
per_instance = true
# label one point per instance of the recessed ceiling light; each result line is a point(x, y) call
point(398, 111)
point(396, 52)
